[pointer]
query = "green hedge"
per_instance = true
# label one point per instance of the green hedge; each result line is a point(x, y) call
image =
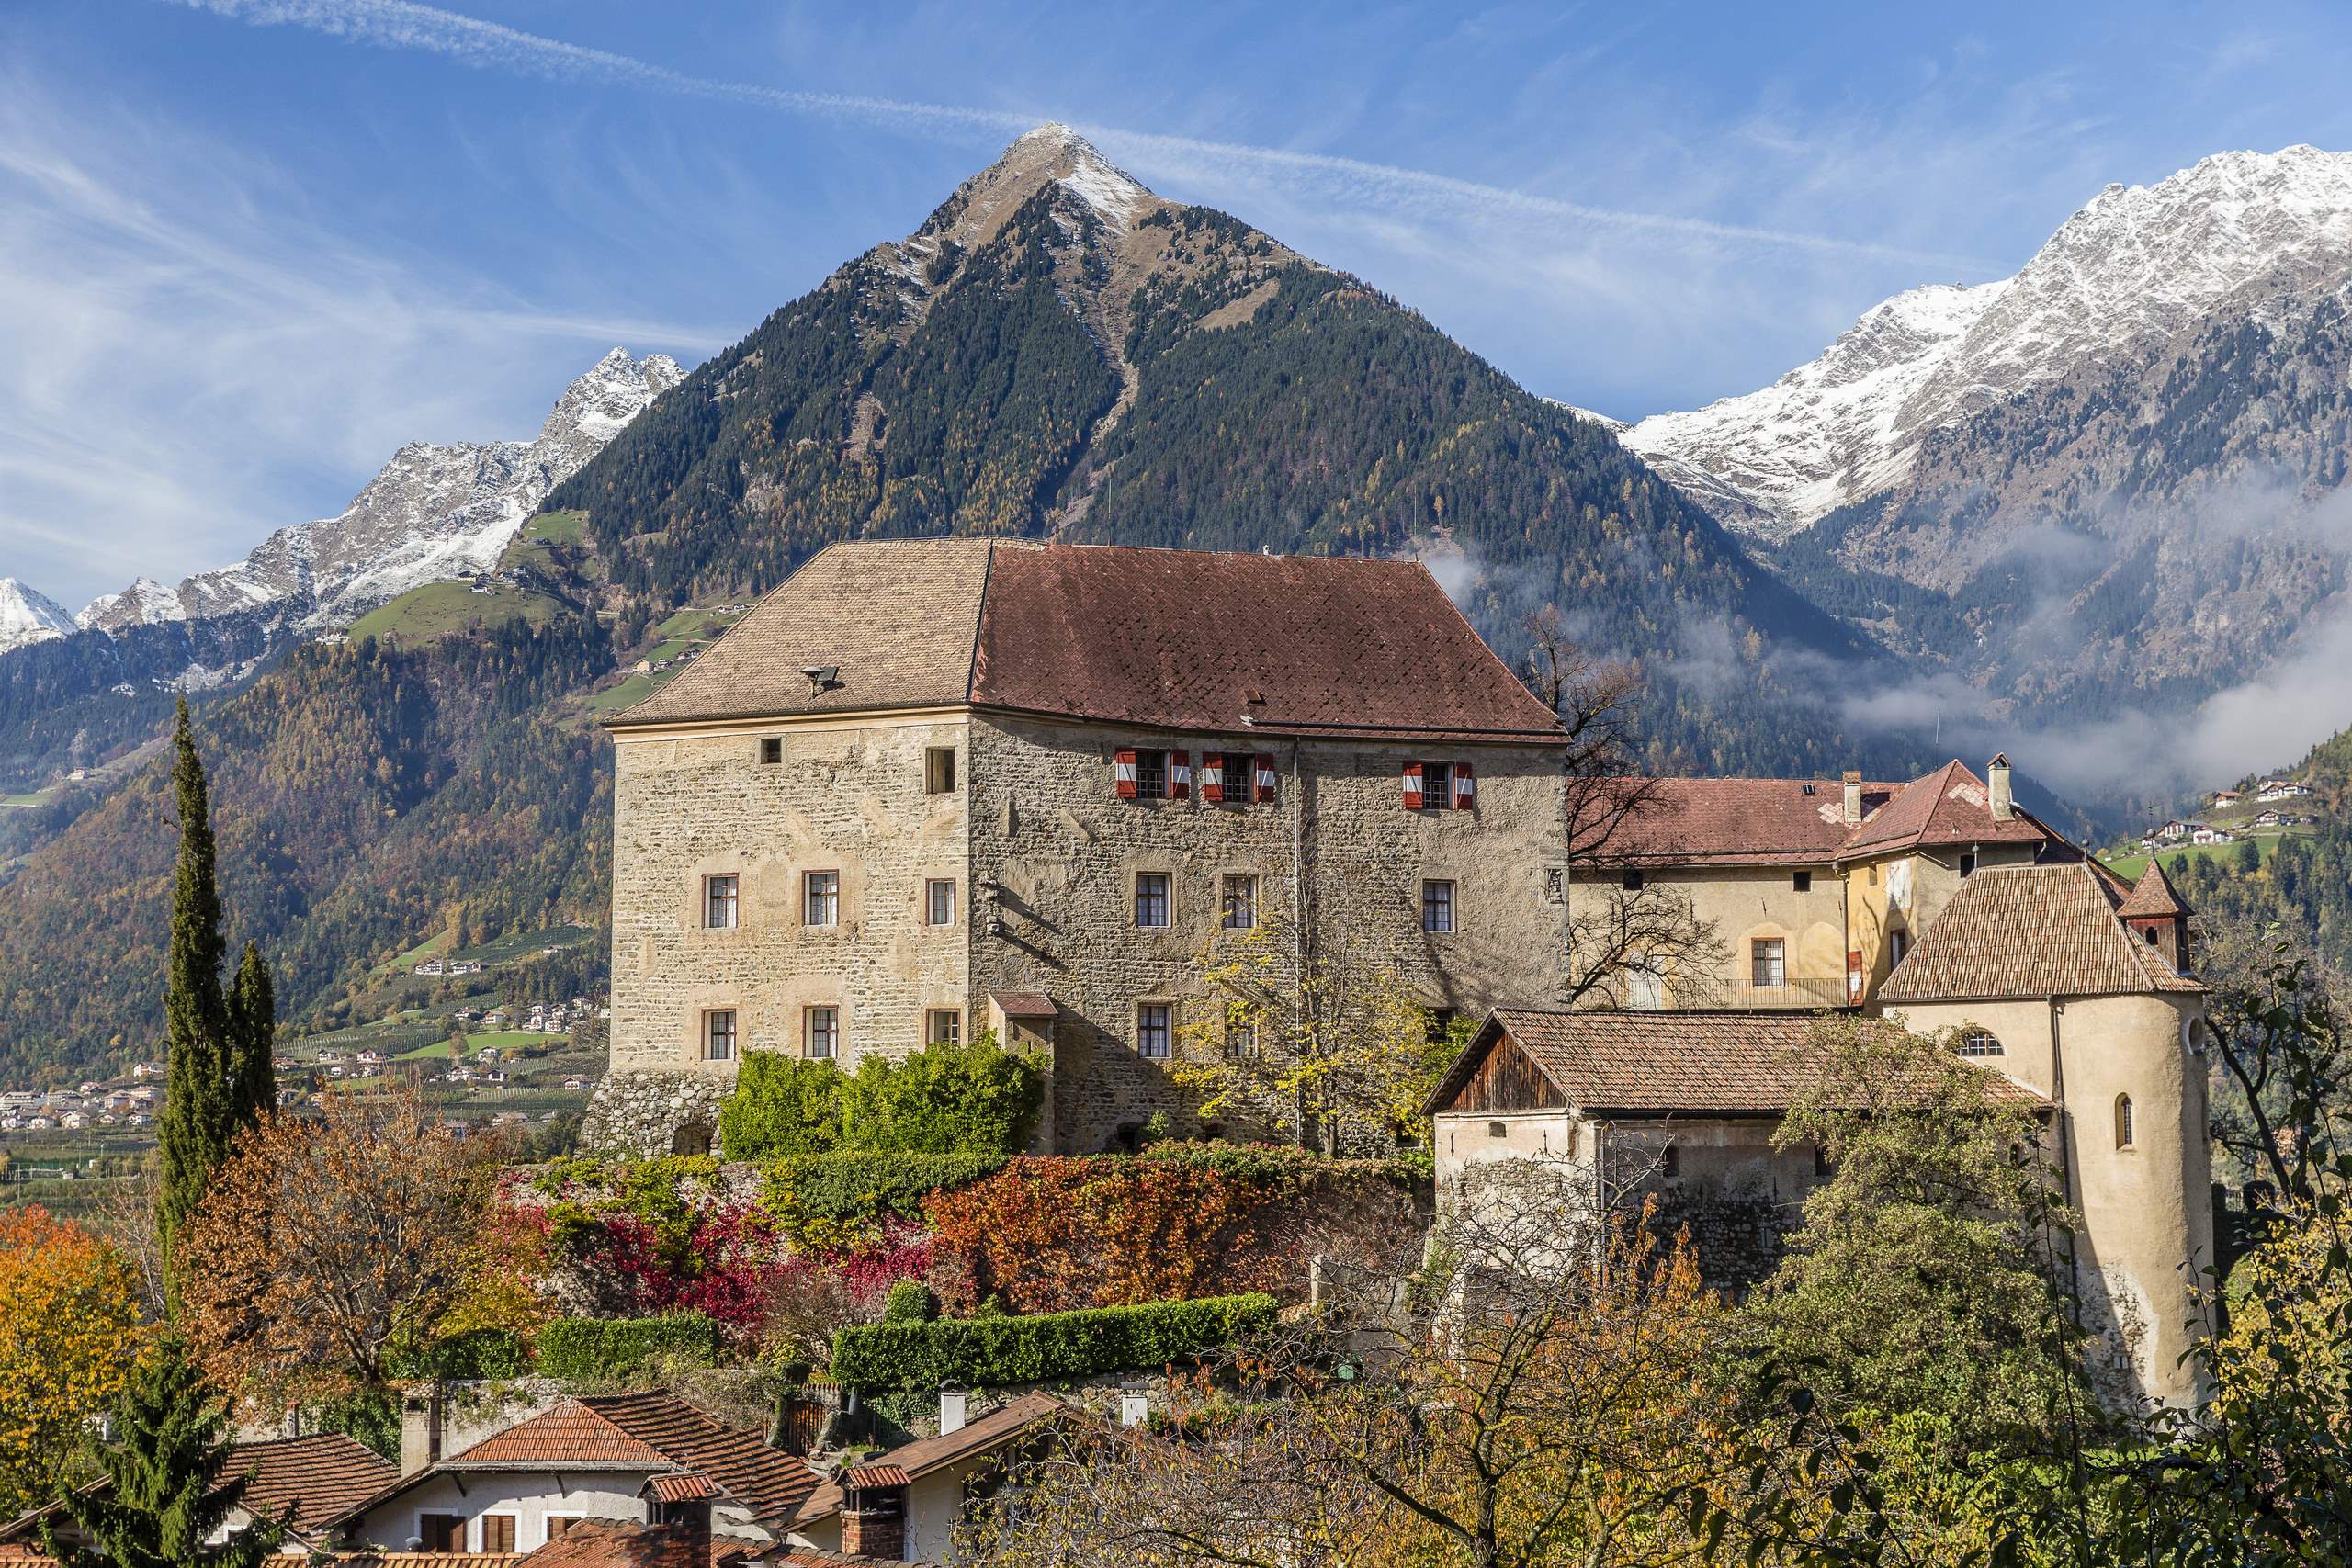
point(596, 1348)
point(992, 1350)
point(849, 1186)
point(944, 1099)
point(482, 1353)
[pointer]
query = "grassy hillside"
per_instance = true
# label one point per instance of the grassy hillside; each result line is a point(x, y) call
point(442, 609)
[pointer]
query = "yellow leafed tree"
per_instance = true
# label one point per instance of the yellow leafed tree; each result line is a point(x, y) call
point(69, 1335)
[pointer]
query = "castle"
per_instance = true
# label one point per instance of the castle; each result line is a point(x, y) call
point(931, 787)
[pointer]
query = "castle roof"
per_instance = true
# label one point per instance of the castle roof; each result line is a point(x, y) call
point(1803, 821)
point(2153, 896)
point(2030, 931)
point(1175, 639)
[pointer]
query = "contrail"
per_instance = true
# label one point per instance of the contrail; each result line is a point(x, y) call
point(404, 23)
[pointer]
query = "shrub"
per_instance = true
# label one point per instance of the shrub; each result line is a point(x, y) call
point(910, 1301)
point(856, 1187)
point(944, 1099)
point(987, 1351)
point(595, 1348)
point(478, 1354)
point(781, 1105)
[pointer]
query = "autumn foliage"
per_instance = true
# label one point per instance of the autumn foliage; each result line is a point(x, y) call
point(69, 1337)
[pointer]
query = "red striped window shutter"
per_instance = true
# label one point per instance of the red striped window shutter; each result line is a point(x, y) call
point(1466, 789)
point(1180, 775)
point(1123, 772)
point(1211, 776)
point(1264, 770)
point(1412, 786)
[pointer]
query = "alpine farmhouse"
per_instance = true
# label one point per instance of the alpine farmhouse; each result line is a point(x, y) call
point(929, 787)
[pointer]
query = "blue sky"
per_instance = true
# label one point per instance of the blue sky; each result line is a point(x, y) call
point(248, 247)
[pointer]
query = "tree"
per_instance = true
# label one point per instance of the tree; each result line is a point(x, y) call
point(69, 1335)
point(1926, 1274)
point(201, 1112)
point(253, 1034)
point(164, 1494)
point(326, 1245)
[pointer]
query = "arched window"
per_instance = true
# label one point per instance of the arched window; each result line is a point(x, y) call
point(2123, 1121)
point(1976, 1042)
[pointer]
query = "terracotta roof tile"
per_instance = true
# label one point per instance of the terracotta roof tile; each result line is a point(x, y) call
point(1024, 1004)
point(2154, 895)
point(2029, 932)
point(1173, 640)
point(309, 1480)
point(683, 1487)
point(618, 1543)
point(867, 1475)
point(1951, 806)
point(768, 1480)
point(570, 1434)
point(1803, 821)
point(920, 1457)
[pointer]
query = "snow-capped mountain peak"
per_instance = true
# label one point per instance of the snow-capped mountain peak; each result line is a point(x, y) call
point(436, 511)
point(2133, 267)
point(28, 616)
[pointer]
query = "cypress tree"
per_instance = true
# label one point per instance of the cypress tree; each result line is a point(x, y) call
point(200, 1113)
point(159, 1504)
point(253, 1030)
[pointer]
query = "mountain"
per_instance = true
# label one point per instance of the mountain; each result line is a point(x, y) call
point(2112, 477)
point(1055, 352)
point(28, 617)
point(434, 511)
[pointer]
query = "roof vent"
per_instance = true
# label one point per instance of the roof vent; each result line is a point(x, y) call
point(822, 677)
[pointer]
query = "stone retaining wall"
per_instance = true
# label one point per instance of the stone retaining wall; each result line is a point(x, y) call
point(654, 1113)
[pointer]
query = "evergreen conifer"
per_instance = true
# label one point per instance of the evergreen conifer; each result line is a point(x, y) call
point(159, 1505)
point(253, 1030)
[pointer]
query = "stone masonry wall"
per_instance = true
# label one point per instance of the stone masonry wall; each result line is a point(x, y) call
point(1056, 854)
point(652, 1113)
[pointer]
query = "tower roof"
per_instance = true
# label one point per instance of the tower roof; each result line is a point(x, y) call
point(2154, 895)
point(2029, 932)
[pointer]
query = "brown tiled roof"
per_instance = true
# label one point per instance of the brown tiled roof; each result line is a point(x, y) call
point(867, 1475)
point(570, 1434)
point(768, 1480)
point(920, 1457)
point(1666, 1064)
point(616, 1543)
point(683, 1487)
point(1024, 1004)
point(1803, 821)
point(309, 1480)
point(425, 1560)
point(1173, 640)
point(2153, 896)
point(2029, 932)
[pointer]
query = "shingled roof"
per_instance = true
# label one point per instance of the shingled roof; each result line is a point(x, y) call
point(571, 1434)
point(1174, 639)
point(2153, 895)
point(1803, 821)
point(306, 1480)
point(911, 1462)
point(2029, 932)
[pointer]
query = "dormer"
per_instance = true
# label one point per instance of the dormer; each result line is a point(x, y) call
point(2155, 915)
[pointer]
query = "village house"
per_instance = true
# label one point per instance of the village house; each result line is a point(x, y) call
point(306, 1480)
point(2281, 789)
point(904, 1505)
point(2221, 798)
point(2203, 834)
point(1024, 789)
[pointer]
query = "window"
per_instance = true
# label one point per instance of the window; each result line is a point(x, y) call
point(1976, 1042)
point(1801, 881)
point(1241, 1039)
point(1437, 786)
point(442, 1533)
point(498, 1532)
point(823, 903)
point(1767, 966)
point(1968, 862)
point(1898, 943)
point(1152, 1031)
point(1151, 898)
point(718, 1035)
point(1669, 1160)
point(943, 1026)
point(1240, 903)
point(718, 903)
point(1437, 907)
point(559, 1523)
point(1633, 880)
point(939, 770)
point(939, 903)
point(822, 1029)
point(1151, 775)
point(2123, 1121)
point(770, 750)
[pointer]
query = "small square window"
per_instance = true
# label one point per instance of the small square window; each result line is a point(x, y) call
point(771, 750)
point(1151, 775)
point(1241, 1039)
point(498, 1532)
point(1151, 898)
point(1802, 881)
point(943, 1026)
point(823, 1029)
point(939, 771)
point(1437, 907)
point(1968, 862)
point(1767, 967)
point(939, 902)
point(1437, 786)
point(719, 902)
point(823, 901)
point(1633, 881)
point(1153, 1034)
point(718, 1035)
point(1240, 904)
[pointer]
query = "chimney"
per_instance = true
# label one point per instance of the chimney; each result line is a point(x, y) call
point(1996, 783)
point(1853, 782)
point(691, 1520)
point(951, 1412)
point(419, 1426)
